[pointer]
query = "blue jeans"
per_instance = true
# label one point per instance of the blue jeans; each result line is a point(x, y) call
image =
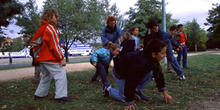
point(184, 53)
point(172, 60)
point(119, 94)
point(101, 70)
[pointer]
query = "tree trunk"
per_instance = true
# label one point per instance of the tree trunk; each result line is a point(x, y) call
point(195, 47)
point(66, 54)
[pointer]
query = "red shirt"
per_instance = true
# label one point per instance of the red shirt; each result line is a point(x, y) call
point(182, 40)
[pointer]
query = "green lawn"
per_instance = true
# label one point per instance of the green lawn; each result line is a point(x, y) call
point(202, 80)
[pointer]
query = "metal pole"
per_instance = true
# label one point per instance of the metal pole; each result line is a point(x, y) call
point(164, 24)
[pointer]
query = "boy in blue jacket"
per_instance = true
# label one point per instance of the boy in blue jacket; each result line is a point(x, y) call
point(154, 32)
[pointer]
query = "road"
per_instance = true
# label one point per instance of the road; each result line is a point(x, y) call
point(27, 61)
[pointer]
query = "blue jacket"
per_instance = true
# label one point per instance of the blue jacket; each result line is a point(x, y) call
point(137, 40)
point(112, 35)
point(102, 56)
point(165, 37)
point(160, 35)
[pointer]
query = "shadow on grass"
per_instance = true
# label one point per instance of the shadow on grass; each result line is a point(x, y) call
point(202, 78)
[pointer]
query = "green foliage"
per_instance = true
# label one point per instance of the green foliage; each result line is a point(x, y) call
point(4, 44)
point(202, 81)
point(146, 9)
point(214, 29)
point(8, 9)
point(195, 35)
point(29, 19)
point(16, 45)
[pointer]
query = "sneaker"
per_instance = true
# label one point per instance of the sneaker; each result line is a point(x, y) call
point(152, 79)
point(139, 96)
point(183, 78)
point(170, 71)
point(38, 97)
point(104, 89)
point(63, 99)
point(97, 80)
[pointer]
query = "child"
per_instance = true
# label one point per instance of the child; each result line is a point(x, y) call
point(36, 68)
point(138, 66)
point(50, 57)
point(101, 59)
point(134, 34)
point(181, 39)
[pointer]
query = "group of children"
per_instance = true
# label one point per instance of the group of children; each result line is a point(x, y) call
point(133, 68)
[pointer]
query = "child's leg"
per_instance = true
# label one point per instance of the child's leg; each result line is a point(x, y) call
point(37, 73)
point(118, 94)
point(44, 85)
point(143, 83)
point(100, 69)
point(184, 56)
point(177, 67)
point(95, 76)
point(60, 81)
point(179, 56)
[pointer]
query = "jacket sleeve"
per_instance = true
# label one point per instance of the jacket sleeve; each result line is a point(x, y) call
point(173, 42)
point(103, 38)
point(159, 78)
point(53, 42)
point(146, 40)
point(94, 57)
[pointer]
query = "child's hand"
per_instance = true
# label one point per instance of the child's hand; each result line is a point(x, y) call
point(110, 42)
point(63, 63)
point(177, 49)
point(167, 97)
point(130, 107)
point(94, 64)
point(110, 66)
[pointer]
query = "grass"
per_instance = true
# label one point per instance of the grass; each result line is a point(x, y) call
point(202, 80)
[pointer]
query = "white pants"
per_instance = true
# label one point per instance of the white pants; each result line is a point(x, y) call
point(49, 72)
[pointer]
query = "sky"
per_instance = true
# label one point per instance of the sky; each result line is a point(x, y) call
point(183, 10)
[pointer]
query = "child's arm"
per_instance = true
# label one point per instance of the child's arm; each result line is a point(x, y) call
point(159, 78)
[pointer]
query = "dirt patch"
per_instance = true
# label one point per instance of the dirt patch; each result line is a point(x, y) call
point(22, 73)
point(211, 103)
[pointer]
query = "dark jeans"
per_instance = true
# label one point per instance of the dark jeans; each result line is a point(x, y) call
point(171, 59)
point(102, 71)
point(184, 53)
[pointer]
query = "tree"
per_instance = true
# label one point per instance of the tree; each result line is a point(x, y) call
point(29, 19)
point(214, 29)
point(146, 9)
point(78, 20)
point(195, 35)
point(8, 9)
point(16, 45)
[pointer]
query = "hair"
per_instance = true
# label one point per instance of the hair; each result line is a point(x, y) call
point(48, 15)
point(126, 36)
point(173, 27)
point(112, 46)
point(155, 46)
point(179, 25)
point(151, 24)
point(109, 19)
point(132, 29)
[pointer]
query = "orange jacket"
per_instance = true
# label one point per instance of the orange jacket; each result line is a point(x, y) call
point(50, 50)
